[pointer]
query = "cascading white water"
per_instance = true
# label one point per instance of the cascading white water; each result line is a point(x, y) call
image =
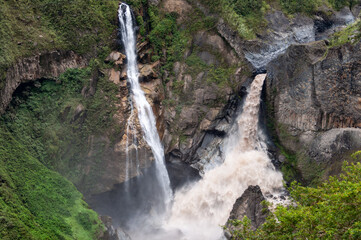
point(145, 112)
point(132, 140)
point(200, 210)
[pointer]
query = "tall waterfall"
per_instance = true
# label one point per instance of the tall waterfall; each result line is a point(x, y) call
point(199, 210)
point(145, 112)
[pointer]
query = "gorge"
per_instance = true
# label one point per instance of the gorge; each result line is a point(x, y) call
point(171, 117)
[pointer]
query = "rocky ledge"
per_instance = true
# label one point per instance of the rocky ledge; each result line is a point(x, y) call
point(44, 65)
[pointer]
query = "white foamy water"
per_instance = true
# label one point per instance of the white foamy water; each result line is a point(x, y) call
point(200, 210)
point(145, 112)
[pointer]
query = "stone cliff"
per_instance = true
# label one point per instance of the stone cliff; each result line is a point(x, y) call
point(45, 65)
point(314, 95)
point(311, 89)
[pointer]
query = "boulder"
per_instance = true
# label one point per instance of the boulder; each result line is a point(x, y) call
point(115, 57)
point(250, 205)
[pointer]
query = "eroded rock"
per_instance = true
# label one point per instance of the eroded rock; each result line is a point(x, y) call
point(45, 65)
point(250, 205)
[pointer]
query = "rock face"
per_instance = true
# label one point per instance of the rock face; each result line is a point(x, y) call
point(195, 111)
point(45, 65)
point(283, 31)
point(249, 204)
point(108, 156)
point(110, 233)
point(313, 89)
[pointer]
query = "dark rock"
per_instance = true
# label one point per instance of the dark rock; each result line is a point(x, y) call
point(313, 90)
point(181, 173)
point(250, 205)
point(110, 232)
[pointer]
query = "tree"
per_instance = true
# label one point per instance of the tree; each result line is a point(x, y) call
point(330, 211)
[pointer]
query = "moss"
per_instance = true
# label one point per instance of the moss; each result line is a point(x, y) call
point(351, 34)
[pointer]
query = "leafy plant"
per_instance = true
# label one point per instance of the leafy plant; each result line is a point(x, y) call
point(330, 211)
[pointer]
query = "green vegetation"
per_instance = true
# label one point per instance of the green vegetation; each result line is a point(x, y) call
point(37, 203)
point(242, 16)
point(166, 35)
point(44, 119)
point(330, 211)
point(304, 6)
point(338, 4)
point(30, 26)
point(351, 34)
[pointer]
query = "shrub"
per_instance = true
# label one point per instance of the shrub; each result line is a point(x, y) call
point(330, 211)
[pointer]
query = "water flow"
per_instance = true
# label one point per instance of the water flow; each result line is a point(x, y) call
point(132, 143)
point(199, 210)
point(145, 112)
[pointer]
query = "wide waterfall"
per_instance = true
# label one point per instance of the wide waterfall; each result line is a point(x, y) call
point(201, 209)
point(144, 110)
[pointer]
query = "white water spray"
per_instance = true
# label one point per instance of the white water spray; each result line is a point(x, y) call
point(145, 112)
point(200, 210)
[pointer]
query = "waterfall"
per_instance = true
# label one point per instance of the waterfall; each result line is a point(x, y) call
point(199, 210)
point(145, 112)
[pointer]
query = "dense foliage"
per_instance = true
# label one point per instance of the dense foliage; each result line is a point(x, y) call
point(294, 6)
point(330, 211)
point(29, 26)
point(44, 119)
point(37, 203)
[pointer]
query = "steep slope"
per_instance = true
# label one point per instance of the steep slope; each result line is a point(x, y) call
point(37, 203)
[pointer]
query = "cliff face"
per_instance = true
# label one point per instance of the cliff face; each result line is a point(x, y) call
point(311, 88)
point(46, 65)
point(314, 93)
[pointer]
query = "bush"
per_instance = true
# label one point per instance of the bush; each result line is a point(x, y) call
point(338, 4)
point(330, 211)
point(246, 7)
point(294, 6)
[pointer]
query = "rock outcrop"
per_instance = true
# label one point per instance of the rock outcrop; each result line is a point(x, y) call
point(250, 205)
point(197, 107)
point(313, 89)
point(105, 164)
point(45, 65)
point(283, 31)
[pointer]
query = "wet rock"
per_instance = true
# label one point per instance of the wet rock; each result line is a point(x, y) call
point(110, 232)
point(250, 205)
point(282, 32)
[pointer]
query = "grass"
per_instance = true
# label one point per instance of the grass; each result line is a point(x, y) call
point(28, 27)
